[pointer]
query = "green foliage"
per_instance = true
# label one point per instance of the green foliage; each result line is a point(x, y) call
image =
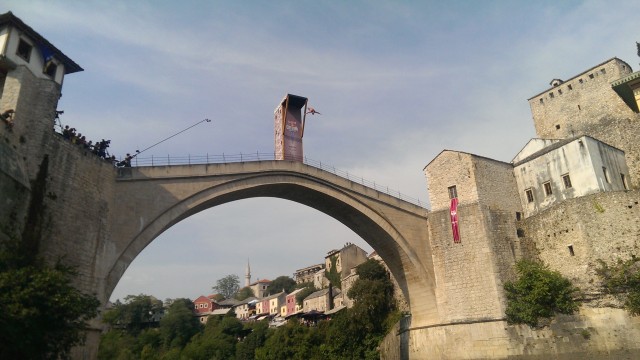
point(306, 291)
point(245, 292)
point(179, 325)
point(291, 341)
point(228, 286)
point(351, 334)
point(333, 275)
point(281, 283)
point(598, 207)
point(246, 349)
point(623, 280)
point(135, 314)
point(42, 315)
point(538, 293)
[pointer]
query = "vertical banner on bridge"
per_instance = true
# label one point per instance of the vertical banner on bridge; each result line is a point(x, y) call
point(454, 220)
point(289, 126)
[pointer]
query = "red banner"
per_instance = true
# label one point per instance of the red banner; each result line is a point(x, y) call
point(454, 220)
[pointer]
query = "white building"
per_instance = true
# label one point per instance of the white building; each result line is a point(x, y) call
point(549, 171)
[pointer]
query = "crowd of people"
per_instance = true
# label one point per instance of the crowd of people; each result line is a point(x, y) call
point(99, 148)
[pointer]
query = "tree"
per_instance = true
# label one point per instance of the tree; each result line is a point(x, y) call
point(306, 291)
point(228, 286)
point(245, 292)
point(538, 293)
point(179, 325)
point(281, 283)
point(623, 280)
point(373, 297)
point(135, 314)
point(42, 315)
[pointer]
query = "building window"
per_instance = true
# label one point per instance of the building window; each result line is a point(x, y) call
point(557, 127)
point(559, 91)
point(453, 192)
point(590, 76)
point(529, 193)
point(567, 181)
point(624, 182)
point(606, 175)
point(547, 188)
point(541, 100)
point(551, 95)
point(50, 69)
point(569, 87)
point(603, 71)
point(580, 81)
point(24, 50)
point(570, 247)
point(206, 305)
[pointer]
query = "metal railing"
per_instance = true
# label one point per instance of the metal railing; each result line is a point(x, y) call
point(258, 156)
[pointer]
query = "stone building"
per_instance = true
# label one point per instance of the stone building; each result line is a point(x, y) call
point(346, 258)
point(557, 201)
point(601, 102)
point(565, 169)
point(259, 287)
point(307, 274)
point(321, 300)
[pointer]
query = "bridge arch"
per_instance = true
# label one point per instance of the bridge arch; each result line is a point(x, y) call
point(396, 230)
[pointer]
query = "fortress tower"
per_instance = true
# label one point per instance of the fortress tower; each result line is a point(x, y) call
point(32, 72)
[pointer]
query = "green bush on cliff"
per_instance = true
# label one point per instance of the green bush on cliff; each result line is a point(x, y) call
point(623, 280)
point(538, 293)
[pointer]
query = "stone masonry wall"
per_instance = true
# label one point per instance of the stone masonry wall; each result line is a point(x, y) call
point(72, 216)
point(447, 169)
point(34, 101)
point(565, 110)
point(468, 285)
point(603, 226)
point(496, 184)
point(14, 187)
point(590, 334)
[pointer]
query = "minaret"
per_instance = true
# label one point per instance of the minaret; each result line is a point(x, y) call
point(247, 275)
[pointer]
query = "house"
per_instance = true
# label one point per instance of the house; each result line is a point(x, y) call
point(275, 302)
point(321, 300)
point(344, 259)
point(550, 171)
point(291, 305)
point(260, 288)
point(245, 308)
point(203, 307)
point(307, 274)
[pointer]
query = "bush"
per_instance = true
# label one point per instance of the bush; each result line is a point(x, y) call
point(538, 293)
point(623, 281)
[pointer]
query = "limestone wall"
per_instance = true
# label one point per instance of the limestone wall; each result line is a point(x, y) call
point(566, 110)
point(469, 275)
point(603, 226)
point(451, 168)
point(590, 334)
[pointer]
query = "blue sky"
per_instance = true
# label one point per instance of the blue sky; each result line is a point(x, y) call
point(396, 83)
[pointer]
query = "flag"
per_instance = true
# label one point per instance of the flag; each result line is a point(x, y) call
point(453, 210)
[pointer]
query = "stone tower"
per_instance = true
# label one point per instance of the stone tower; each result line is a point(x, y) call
point(32, 72)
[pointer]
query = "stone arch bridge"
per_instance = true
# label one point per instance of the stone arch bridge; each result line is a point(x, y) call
point(152, 199)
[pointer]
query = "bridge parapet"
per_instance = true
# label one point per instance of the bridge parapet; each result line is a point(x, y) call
point(194, 160)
